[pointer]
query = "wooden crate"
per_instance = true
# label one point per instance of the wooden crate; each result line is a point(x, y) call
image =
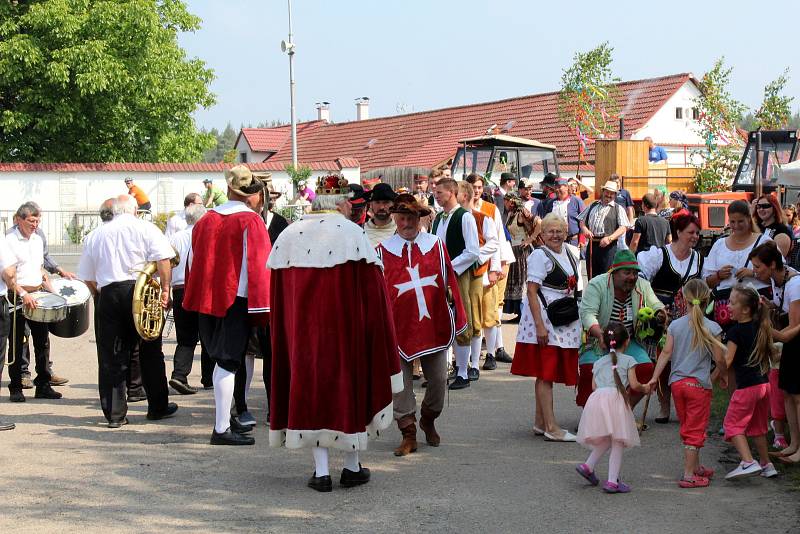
point(624, 157)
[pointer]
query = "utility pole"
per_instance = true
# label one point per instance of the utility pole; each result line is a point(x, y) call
point(288, 47)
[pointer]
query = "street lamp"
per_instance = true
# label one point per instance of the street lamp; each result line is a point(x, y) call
point(288, 48)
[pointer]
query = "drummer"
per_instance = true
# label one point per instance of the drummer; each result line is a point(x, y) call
point(28, 247)
point(618, 294)
point(52, 267)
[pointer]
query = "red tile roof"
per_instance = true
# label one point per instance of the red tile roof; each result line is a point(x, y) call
point(272, 139)
point(426, 138)
point(168, 167)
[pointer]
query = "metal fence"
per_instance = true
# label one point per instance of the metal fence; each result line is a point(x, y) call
point(64, 230)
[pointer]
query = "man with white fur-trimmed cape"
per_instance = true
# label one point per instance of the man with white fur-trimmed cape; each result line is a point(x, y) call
point(335, 362)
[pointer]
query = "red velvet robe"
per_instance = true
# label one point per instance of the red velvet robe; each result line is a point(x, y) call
point(334, 349)
point(212, 277)
point(424, 321)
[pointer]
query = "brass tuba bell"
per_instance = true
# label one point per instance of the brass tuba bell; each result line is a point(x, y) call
point(148, 315)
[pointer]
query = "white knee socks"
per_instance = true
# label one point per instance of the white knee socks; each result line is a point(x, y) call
point(491, 339)
point(615, 462)
point(462, 357)
point(223, 397)
point(475, 351)
point(351, 461)
point(320, 461)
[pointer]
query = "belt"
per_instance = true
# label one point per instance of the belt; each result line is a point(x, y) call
point(177, 286)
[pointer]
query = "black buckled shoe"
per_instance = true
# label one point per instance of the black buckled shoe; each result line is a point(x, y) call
point(16, 395)
point(502, 356)
point(230, 438)
point(473, 374)
point(489, 364)
point(350, 479)
point(169, 412)
point(321, 484)
point(459, 383)
point(46, 392)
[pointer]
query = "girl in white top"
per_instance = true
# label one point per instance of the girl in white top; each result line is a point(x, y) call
point(607, 420)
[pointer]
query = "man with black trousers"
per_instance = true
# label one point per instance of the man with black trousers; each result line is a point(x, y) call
point(112, 256)
point(186, 323)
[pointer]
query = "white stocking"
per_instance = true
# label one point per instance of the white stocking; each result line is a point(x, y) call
point(223, 397)
point(462, 357)
point(475, 351)
point(351, 461)
point(320, 461)
point(499, 344)
point(491, 339)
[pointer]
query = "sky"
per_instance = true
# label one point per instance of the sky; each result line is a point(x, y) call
point(412, 55)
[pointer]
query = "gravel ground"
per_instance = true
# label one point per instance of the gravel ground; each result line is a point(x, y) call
point(64, 471)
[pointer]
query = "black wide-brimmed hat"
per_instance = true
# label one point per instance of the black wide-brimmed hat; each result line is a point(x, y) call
point(382, 192)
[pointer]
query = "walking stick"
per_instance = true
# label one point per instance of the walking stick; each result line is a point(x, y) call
point(643, 426)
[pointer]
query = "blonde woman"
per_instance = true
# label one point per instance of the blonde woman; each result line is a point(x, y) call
point(544, 351)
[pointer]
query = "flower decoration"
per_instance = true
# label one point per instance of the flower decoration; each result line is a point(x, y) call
point(572, 282)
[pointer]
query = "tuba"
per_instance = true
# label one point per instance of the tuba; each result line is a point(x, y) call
point(148, 315)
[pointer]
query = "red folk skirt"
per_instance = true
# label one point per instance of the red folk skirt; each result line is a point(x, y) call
point(553, 364)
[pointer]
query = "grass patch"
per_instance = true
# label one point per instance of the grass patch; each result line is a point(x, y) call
point(719, 404)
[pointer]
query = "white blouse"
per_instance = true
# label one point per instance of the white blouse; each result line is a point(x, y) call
point(651, 260)
point(721, 256)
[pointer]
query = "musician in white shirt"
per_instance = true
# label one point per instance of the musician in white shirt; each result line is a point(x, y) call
point(186, 322)
point(112, 256)
point(177, 222)
point(31, 276)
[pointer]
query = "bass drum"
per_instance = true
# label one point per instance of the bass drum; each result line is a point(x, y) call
point(77, 295)
point(50, 308)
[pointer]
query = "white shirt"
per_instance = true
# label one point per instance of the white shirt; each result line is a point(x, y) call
point(115, 250)
point(30, 255)
point(469, 229)
point(721, 255)
point(491, 246)
point(182, 242)
point(651, 260)
point(501, 236)
point(176, 223)
point(7, 259)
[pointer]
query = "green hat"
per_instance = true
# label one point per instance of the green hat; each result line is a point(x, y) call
point(624, 259)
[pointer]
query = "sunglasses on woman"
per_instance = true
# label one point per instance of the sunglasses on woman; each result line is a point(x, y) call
point(763, 206)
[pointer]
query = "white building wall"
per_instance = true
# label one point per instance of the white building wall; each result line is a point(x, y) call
point(252, 157)
point(679, 137)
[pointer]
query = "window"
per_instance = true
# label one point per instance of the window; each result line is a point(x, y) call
point(242, 157)
point(695, 114)
point(678, 113)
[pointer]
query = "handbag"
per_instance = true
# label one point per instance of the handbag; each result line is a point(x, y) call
point(563, 311)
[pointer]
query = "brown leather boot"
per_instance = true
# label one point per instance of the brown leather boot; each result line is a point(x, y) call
point(408, 427)
point(432, 437)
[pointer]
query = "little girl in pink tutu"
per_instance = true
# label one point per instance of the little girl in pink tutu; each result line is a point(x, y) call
point(607, 421)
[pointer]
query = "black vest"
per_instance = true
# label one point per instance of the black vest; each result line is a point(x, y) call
point(454, 237)
point(667, 282)
point(557, 278)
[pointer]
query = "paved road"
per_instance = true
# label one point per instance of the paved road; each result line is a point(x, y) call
point(64, 471)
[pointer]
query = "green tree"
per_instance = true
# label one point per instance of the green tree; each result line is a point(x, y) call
point(588, 102)
point(301, 172)
point(720, 113)
point(92, 80)
point(225, 141)
point(776, 108)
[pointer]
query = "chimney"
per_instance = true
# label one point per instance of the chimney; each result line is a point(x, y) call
point(362, 108)
point(324, 111)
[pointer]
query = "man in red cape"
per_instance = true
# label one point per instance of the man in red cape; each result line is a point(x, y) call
point(428, 314)
point(227, 283)
point(334, 351)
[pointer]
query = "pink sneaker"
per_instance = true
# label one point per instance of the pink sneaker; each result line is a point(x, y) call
point(780, 442)
point(586, 472)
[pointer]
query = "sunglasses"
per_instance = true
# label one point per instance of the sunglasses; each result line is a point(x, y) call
point(763, 206)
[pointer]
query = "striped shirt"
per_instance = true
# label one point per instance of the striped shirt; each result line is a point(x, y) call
point(622, 311)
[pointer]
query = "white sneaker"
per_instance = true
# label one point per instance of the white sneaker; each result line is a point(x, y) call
point(744, 470)
point(768, 471)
